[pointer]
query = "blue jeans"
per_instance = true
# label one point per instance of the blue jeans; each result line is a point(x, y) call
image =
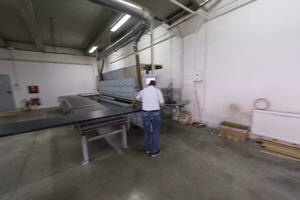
point(151, 118)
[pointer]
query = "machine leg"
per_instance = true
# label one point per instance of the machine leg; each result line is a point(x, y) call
point(128, 122)
point(124, 137)
point(85, 151)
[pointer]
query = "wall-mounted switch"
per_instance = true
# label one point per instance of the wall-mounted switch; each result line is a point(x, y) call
point(198, 76)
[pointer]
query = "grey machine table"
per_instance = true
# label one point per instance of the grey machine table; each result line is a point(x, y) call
point(94, 129)
point(88, 118)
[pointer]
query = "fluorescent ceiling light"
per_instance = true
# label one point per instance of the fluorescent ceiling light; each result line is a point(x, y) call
point(120, 23)
point(130, 4)
point(93, 49)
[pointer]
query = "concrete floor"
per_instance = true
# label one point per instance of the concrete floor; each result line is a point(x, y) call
point(194, 164)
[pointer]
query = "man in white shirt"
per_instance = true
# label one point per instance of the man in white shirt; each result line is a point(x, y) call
point(152, 100)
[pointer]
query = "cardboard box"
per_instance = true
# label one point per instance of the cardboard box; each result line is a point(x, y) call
point(234, 131)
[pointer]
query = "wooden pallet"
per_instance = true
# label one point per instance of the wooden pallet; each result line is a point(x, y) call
point(279, 155)
point(283, 149)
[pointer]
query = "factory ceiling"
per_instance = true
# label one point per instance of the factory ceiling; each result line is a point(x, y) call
point(46, 25)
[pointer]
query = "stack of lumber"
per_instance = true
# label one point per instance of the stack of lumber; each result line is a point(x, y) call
point(275, 147)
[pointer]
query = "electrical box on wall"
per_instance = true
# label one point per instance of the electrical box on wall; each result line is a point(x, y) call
point(197, 76)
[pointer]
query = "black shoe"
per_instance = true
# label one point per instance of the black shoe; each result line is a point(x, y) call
point(153, 155)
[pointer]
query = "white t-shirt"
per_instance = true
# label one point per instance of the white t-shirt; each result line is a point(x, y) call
point(151, 97)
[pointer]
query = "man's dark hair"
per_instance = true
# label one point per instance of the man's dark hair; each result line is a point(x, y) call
point(152, 82)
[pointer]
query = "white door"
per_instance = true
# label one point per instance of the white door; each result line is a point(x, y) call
point(6, 95)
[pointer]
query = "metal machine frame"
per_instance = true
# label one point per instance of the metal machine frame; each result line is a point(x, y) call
point(92, 130)
point(100, 128)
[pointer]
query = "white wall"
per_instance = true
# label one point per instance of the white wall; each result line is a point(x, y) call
point(252, 53)
point(194, 62)
point(242, 52)
point(55, 74)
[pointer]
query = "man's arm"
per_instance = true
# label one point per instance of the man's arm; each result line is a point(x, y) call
point(134, 102)
point(161, 99)
point(137, 98)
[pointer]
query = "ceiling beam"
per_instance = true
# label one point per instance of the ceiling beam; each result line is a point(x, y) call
point(27, 13)
point(8, 4)
point(48, 49)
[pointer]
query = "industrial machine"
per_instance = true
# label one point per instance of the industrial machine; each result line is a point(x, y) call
point(120, 87)
point(113, 94)
point(93, 120)
point(94, 129)
point(95, 116)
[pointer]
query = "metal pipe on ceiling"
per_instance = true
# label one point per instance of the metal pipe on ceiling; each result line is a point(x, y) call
point(152, 48)
point(182, 6)
point(203, 3)
point(124, 6)
point(140, 50)
point(134, 10)
point(202, 13)
point(52, 33)
point(122, 41)
point(137, 61)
